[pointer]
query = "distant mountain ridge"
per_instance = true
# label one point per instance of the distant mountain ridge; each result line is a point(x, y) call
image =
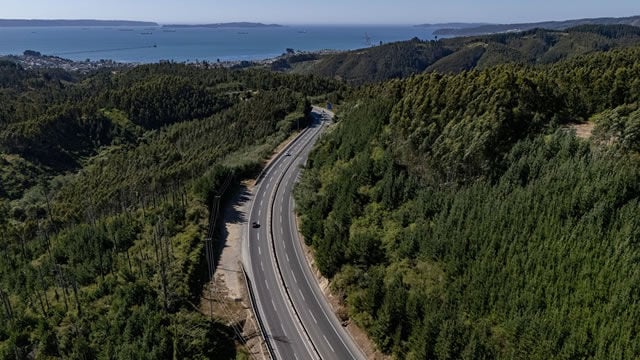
point(223, 25)
point(82, 22)
point(453, 25)
point(463, 30)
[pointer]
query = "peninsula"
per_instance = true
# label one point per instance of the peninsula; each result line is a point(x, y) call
point(222, 25)
point(82, 23)
point(462, 30)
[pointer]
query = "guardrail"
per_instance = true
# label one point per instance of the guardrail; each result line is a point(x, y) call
point(254, 307)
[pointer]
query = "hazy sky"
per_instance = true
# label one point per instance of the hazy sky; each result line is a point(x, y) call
point(323, 12)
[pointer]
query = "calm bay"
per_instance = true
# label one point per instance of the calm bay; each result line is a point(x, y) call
point(146, 45)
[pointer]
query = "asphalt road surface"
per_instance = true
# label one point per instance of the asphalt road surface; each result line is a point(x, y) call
point(298, 321)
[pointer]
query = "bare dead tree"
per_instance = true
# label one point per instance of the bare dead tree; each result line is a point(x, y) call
point(62, 284)
point(49, 212)
point(75, 294)
point(8, 310)
point(39, 298)
point(43, 283)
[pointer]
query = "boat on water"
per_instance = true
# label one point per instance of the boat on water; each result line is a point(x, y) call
point(242, 32)
point(146, 33)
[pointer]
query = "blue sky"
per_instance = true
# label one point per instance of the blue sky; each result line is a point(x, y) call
point(320, 12)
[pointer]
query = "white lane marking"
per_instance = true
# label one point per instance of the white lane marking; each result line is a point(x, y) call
point(303, 298)
point(288, 258)
point(313, 317)
point(260, 213)
point(294, 277)
point(261, 202)
point(328, 343)
point(274, 304)
point(303, 147)
point(258, 237)
point(261, 265)
point(308, 283)
point(259, 251)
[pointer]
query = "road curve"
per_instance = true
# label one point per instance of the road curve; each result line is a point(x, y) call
point(298, 321)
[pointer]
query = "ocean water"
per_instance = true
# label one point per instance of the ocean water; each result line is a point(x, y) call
point(145, 45)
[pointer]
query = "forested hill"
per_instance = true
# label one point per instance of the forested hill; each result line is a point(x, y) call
point(105, 183)
point(402, 59)
point(459, 217)
point(457, 30)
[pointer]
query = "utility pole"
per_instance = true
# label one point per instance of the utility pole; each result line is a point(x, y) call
point(207, 249)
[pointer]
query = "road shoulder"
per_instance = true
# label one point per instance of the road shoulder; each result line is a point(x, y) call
point(358, 335)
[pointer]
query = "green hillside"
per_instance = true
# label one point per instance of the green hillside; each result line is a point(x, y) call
point(458, 217)
point(105, 183)
point(481, 29)
point(402, 59)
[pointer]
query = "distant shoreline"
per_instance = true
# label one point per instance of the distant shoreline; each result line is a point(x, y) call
point(483, 29)
point(79, 23)
point(222, 25)
point(35, 60)
point(136, 45)
point(118, 23)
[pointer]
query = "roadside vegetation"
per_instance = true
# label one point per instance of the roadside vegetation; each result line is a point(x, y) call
point(104, 186)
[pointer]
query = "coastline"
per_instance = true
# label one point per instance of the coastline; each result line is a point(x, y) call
point(33, 60)
point(197, 44)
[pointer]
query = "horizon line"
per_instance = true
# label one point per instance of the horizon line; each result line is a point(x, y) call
point(286, 23)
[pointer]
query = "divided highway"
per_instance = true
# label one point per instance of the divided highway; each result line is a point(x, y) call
point(297, 319)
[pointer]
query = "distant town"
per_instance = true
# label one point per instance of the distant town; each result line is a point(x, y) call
point(31, 59)
point(34, 60)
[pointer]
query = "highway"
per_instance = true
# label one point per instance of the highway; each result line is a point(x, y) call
point(298, 321)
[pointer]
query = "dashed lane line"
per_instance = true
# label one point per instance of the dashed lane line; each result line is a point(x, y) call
point(328, 343)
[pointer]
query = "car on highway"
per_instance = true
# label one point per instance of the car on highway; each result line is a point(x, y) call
point(255, 224)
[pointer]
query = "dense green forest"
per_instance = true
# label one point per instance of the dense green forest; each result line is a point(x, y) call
point(105, 181)
point(401, 59)
point(459, 217)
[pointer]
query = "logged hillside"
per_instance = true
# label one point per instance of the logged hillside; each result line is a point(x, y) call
point(105, 182)
point(401, 59)
point(459, 217)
